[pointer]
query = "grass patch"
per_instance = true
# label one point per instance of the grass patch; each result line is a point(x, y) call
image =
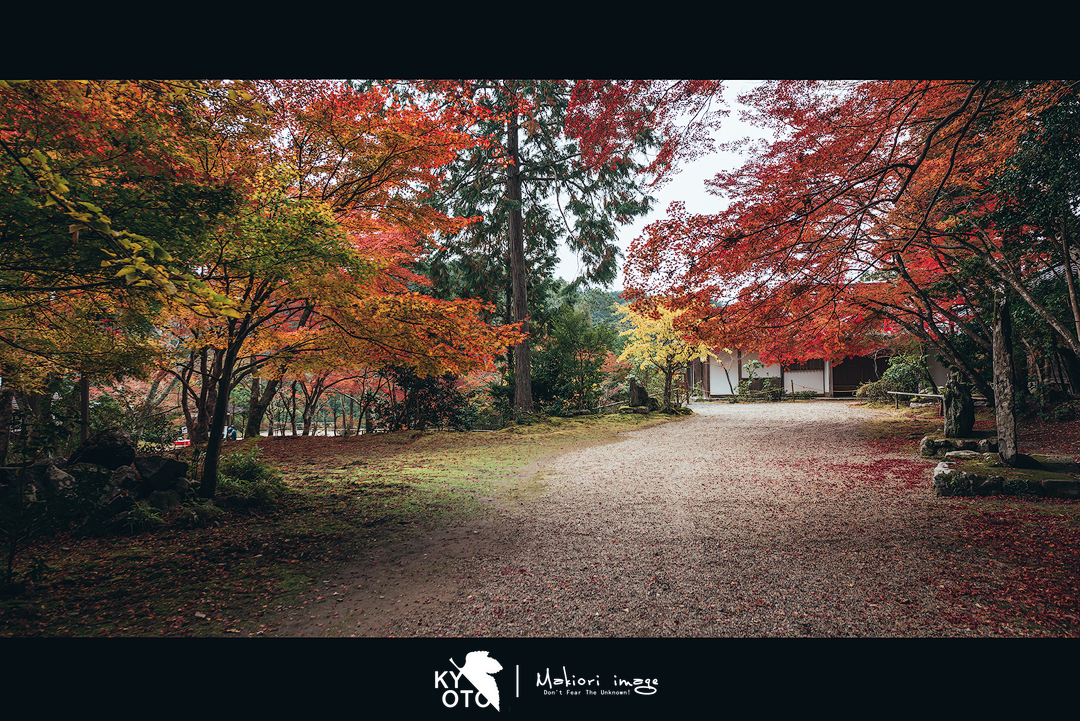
point(900, 430)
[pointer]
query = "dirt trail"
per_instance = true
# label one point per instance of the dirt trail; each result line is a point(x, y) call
point(744, 520)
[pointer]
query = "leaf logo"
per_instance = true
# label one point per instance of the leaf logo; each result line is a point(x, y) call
point(478, 669)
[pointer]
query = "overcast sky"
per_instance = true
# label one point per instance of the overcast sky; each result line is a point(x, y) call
point(688, 185)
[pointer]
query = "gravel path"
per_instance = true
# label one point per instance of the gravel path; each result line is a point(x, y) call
point(744, 520)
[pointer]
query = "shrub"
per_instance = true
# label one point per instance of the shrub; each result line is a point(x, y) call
point(246, 476)
point(1062, 413)
point(142, 517)
point(568, 365)
point(195, 515)
point(423, 401)
point(246, 466)
point(904, 374)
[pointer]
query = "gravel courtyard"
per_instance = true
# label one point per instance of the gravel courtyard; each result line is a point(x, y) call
point(772, 519)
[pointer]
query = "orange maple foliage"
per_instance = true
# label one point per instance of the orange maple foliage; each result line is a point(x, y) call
point(318, 261)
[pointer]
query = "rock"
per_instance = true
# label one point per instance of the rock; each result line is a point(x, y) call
point(159, 472)
point(46, 475)
point(1061, 464)
point(165, 500)
point(947, 480)
point(110, 448)
point(1060, 488)
point(1023, 461)
point(115, 500)
point(125, 477)
point(91, 475)
point(959, 410)
point(931, 447)
point(1020, 486)
point(942, 477)
point(961, 455)
point(638, 395)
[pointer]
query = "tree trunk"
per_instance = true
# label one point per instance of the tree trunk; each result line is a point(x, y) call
point(1004, 388)
point(254, 419)
point(1066, 257)
point(7, 394)
point(84, 407)
point(258, 406)
point(208, 487)
point(1072, 369)
point(669, 374)
point(292, 409)
point(523, 400)
point(351, 418)
point(37, 411)
point(927, 375)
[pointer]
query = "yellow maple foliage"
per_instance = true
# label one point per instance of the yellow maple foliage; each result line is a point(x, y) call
point(656, 344)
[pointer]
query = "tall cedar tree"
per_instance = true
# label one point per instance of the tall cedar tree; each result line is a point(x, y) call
point(559, 161)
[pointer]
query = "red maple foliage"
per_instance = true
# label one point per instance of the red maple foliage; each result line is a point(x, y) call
point(865, 211)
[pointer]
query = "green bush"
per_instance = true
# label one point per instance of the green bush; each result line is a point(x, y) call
point(195, 515)
point(425, 401)
point(142, 517)
point(246, 476)
point(904, 374)
point(246, 466)
point(567, 365)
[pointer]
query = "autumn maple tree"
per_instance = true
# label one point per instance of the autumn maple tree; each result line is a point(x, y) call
point(885, 196)
point(101, 200)
point(103, 176)
point(655, 343)
point(317, 257)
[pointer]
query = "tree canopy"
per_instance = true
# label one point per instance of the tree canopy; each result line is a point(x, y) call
point(895, 204)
